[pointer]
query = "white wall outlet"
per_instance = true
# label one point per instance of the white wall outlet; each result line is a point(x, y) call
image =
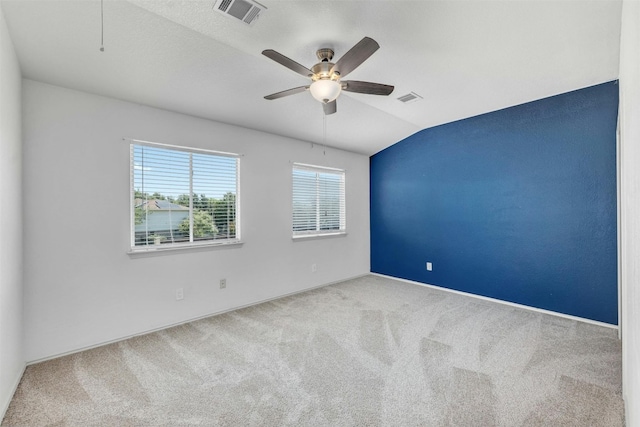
point(223, 283)
point(429, 266)
point(179, 294)
point(314, 268)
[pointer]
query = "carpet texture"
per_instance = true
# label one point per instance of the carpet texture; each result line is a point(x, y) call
point(366, 352)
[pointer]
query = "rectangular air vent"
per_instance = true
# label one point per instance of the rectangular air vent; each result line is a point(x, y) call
point(410, 97)
point(246, 11)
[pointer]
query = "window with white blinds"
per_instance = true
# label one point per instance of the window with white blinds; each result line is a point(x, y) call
point(318, 200)
point(182, 197)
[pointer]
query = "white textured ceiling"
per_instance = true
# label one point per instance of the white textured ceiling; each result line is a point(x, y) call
point(463, 57)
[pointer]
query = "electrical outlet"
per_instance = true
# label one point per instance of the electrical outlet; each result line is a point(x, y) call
point(223, 283)
point(429, 266)
point(179, 294)
point(314, 268)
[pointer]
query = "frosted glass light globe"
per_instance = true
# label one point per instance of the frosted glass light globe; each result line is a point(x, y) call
point(325, 91)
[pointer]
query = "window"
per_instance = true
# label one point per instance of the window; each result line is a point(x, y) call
point(182, 197)
point(318, 201)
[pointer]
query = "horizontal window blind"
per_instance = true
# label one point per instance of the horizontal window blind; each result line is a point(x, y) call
point(182, 196)
point(318, 200)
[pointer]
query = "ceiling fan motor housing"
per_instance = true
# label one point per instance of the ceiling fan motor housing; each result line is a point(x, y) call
point(322, 71)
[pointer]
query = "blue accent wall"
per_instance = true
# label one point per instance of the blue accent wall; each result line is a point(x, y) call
point(518, 204)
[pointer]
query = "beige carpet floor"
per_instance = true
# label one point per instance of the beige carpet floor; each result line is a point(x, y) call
point(366, 352)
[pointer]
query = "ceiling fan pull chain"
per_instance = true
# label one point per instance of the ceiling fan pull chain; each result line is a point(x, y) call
point(324, 134)
point(101, 25)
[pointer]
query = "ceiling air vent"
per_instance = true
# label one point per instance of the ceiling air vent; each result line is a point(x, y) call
point(410, 97)
point(244, 10)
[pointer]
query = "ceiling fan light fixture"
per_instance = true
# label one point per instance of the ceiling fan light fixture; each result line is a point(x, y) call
point(325, 75)
point(325, 90)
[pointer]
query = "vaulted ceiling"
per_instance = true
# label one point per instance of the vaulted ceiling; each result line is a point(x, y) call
point(463, 58)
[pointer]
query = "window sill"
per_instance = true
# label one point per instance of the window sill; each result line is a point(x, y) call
point(152, 250)
point(300, 237)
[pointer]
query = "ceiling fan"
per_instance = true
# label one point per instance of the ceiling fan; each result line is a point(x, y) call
point(325, 75)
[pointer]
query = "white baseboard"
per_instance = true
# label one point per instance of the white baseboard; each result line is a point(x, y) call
point(16, 382)
point(512, 304)
point(192, 319)
point(216, 313)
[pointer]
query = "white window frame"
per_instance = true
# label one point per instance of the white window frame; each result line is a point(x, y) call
point(191, 243)
point(318, 231)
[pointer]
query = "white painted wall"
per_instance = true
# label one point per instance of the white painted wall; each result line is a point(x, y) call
point(11, 323)
point(81, 287)
point(630, 204)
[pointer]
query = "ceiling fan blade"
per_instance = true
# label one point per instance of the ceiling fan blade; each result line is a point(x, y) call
point(355, 56)
point(366, 87)
point(287, 92)
point(330, 107)
point(287, 62)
